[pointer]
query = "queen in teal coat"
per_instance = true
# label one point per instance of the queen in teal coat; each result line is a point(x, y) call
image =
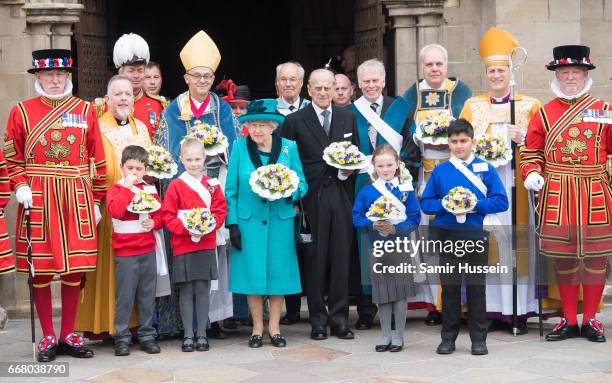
point(264, 260)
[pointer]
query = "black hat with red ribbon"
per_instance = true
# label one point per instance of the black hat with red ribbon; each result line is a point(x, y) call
point(571, 55)
point(49, 59)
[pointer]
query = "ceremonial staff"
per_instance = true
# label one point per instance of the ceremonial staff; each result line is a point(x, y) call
point(534, 198)
point(30, 278)
point(516, 58)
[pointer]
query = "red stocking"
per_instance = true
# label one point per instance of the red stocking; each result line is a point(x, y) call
point(71, 285)
point(594, 279)
point(42, 301)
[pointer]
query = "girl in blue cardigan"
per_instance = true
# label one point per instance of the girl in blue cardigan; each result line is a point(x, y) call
point(391, 284)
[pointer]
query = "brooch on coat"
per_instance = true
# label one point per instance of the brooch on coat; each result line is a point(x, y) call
point(404, 197)
point(285, 149)
point(211, 189)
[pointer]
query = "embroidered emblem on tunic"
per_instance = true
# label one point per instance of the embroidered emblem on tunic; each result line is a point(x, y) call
point(43, 141)
point(573, 132)
point(588, 133)
point(573, 146)
point(432, 99)
point(57, 151)
point(71, 138)
point(56, 136)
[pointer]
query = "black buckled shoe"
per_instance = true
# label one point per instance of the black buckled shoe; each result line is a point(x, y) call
point(215, 332)
point(122, 349)
point(479, 348)
point(342, 332)
point(364, 322)
point(150, 347)
point(74, 346)
point(278, 340)
point(434, 318)
point(593, 330)
point(318, 333)
point(202, 344)
point(188, 345)
point(290, 318)
point(563, 331)
point(396, 348)
point(47, 349)
point(382, 347)
point(446, 347)
point(255, 341)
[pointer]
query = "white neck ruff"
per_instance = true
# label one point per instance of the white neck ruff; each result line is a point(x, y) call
point(554, 86)
point(67, 91)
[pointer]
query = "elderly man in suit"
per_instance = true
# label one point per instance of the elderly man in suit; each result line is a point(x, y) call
point(327, 205)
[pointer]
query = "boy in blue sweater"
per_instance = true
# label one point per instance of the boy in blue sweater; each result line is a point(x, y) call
point(464, 245)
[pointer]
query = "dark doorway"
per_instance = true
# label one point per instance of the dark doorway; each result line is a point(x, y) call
point(253, 37)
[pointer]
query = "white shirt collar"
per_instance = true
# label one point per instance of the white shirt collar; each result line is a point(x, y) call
point(469, 159)
point(296, 103)
point(318, 110)
point(424, 85)
point(196, 102)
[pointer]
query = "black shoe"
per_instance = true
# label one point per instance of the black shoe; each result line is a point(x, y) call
point(434, 318)
point(122, 349)
point(382, 347)
point(47, 349)
point(446, 347)
point(497, 325)
point(230, 324)
point(76, 352)
point(396, 348)
point(318, 334)
point(593, 330)
point(277, 340)
point(479, 348)
point(364, 323)
point(342, 332)
point(150, 347)
point(521, 327)
point(255, 341)
point(563, 331)
point(187, 345)
point(290, 318)
point(201, 343)
point(215, 332)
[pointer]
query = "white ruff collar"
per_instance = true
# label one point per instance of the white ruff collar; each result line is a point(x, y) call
point(67, 91)
point(554, 86)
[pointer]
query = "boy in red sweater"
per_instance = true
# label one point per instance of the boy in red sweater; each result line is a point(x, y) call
point(134, 246)
point(195, 263)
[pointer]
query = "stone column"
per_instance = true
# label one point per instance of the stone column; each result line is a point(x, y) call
point(47, 24)
point(416, 25)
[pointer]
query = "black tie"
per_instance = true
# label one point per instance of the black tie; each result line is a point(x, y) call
point(374, 107)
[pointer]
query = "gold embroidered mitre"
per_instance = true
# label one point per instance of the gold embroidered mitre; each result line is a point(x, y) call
point(200, 50)
point(495, 46)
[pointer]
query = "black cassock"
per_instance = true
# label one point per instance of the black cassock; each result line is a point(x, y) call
point(328, 207)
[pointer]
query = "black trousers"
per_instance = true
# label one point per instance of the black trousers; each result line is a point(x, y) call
point(327, 257)
point(475, 287)
point(293, 302)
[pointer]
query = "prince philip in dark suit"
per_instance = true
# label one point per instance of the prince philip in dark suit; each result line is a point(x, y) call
point(327, 205)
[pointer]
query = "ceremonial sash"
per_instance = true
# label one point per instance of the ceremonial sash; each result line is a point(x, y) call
point(379, 185)
point(391, 136)
point(205, 196)
point(46, 123)
point(135, 226)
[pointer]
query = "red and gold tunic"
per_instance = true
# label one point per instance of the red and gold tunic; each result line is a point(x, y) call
point(575, 211)
point(7, 262)
point(56, 149)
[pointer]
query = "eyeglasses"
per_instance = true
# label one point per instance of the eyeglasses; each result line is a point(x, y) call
point(206, 77)
point(289, 80)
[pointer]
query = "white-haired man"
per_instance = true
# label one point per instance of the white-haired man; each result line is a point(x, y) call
point(434, 93)
point(564, 157)
point(289, 82)
point(380, 120)
point(57, 168)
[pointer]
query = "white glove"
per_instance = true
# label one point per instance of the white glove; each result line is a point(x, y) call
point(534, 182)
point(97, 214)
point(24, 196)
point(341, 177)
